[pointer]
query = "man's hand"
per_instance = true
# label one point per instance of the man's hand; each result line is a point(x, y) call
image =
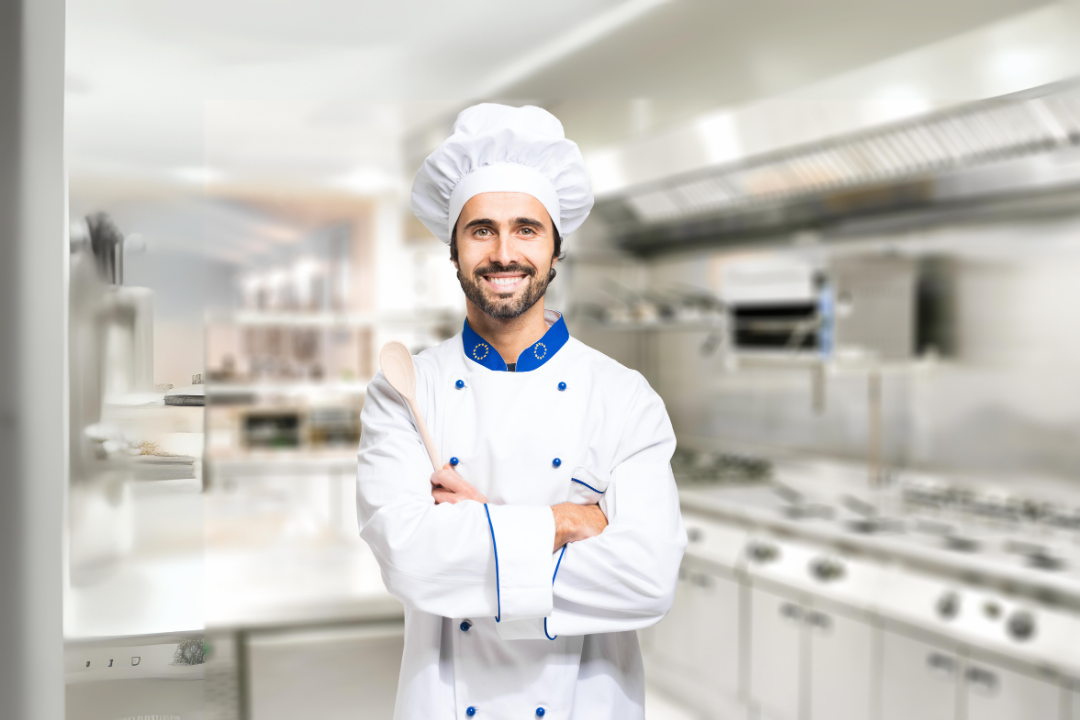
point(577, 522)
point(448, 486)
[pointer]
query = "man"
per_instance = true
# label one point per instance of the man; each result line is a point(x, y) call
point(527, 562)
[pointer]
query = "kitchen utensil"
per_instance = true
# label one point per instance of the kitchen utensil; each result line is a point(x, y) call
point(397, 366)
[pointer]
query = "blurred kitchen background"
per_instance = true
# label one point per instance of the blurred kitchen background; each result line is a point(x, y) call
point(841, 240)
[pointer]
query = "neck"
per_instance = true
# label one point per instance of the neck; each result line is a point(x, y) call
point(509, 337)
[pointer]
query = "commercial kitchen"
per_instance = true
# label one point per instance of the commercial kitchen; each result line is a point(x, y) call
point(841, 244)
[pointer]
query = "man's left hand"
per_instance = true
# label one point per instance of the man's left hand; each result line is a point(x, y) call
point(448, 486)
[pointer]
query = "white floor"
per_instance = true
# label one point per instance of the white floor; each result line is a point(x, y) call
point(660, 706)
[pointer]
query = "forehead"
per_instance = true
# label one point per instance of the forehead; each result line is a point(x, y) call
point(503, 207)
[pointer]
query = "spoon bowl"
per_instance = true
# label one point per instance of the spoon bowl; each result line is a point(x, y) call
point(398, 369)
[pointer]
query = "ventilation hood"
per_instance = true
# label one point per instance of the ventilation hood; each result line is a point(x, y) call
point(981, 152)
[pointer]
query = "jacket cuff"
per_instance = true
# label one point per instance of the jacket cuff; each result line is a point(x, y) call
point(587, 487)
point(531, 629)
point(522, 537)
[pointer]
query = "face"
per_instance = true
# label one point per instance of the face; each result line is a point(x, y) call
point(505, 244)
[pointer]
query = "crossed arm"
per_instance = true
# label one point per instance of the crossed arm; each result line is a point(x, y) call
point(572, 522)
point(613, 569)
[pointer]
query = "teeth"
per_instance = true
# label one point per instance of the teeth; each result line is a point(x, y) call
point(504, 280)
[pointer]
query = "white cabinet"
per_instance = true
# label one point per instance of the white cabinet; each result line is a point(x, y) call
point(346, 672)
point(918, 680)
point(699, 638)
point(995, 693)
point(776, 627)
point(668, 640)
point(840, 670)
point(809, 663)
point(715, 613)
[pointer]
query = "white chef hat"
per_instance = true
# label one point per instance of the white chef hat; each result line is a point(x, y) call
point(497, 148)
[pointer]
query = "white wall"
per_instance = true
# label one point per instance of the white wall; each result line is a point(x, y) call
point(1007, 403)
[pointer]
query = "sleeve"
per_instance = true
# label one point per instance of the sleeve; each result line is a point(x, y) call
point(624, 578)
point(443, 559)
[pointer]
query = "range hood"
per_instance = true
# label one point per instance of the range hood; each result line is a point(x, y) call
point(973, 155)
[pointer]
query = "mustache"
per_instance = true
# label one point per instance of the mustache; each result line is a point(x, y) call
point(497, 268)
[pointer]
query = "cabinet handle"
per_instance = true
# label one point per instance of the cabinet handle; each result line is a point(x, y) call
point(821, 621)
point(941, 664)
point(982, 680)
point(791, 611)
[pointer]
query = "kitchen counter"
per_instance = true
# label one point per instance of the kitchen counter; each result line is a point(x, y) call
point(759, 508)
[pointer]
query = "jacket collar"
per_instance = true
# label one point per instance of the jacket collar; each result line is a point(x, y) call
point(482, 352)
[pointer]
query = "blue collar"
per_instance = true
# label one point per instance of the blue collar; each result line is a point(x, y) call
point(481, 351)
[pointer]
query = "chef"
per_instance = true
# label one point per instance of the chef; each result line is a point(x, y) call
point(553, 532)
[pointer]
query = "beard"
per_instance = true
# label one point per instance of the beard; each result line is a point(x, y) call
point(504, 306)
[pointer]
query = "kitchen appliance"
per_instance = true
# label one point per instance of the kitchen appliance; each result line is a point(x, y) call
point(844, 307)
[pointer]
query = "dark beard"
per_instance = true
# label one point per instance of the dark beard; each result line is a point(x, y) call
point(534, 290)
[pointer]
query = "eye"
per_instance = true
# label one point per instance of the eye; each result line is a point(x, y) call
point(482, 232)
point(527, 231)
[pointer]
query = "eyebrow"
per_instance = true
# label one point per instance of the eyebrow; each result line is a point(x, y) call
point(531, 222)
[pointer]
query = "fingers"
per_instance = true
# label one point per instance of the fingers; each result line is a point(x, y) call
point(449, 479)
point(445, 496)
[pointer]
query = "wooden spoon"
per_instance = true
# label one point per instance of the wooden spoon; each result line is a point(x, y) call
point(397, 366)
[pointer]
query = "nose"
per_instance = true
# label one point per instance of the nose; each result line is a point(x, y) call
point(503, 252)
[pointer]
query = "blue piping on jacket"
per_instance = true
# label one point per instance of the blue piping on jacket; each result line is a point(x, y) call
point(498, 594)
point(588, 486)
point(553, 583)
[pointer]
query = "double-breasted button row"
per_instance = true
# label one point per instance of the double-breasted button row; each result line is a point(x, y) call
point(471, 711)
point(459, 384)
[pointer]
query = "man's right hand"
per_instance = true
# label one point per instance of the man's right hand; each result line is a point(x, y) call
point(575, 522)
point(449, 487)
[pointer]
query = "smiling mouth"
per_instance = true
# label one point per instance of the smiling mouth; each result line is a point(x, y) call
point(505, 283)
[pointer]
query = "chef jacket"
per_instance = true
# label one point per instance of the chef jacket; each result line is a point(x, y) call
point(496, 625)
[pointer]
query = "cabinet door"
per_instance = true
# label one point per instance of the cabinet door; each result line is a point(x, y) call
point(328, 673)
point(841, 667)
point(994, 693)
point(775, 639)
point(671, 639)
point(919, 680)
point(715, 612)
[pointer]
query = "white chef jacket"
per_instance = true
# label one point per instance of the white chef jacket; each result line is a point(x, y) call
point(496, 626)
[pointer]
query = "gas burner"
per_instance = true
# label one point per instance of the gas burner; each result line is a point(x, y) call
point(1046, 562)
point(960, 543)
point(1035, 555)
point(935, 528)
point(876, 525)
point(810, 511)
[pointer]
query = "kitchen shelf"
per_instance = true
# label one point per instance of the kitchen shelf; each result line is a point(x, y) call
point(295, 388)
point(340, 320)
point(654, 326)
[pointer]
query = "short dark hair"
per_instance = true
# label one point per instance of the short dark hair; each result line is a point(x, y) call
point(557, 254)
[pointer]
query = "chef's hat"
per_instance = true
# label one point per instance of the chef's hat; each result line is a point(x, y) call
point(497, 148)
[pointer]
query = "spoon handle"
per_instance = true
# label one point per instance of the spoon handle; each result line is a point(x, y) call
point(425, 435)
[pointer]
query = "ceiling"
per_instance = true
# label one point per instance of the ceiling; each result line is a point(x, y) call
point(326, 91)
point(693, 56)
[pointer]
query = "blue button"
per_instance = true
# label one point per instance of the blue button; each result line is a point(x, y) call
point(454, 461)
point(562, 386)
point(459, 384)
point(539, 712)
point(464, 626)
point(470, 711)
point(556, 462)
